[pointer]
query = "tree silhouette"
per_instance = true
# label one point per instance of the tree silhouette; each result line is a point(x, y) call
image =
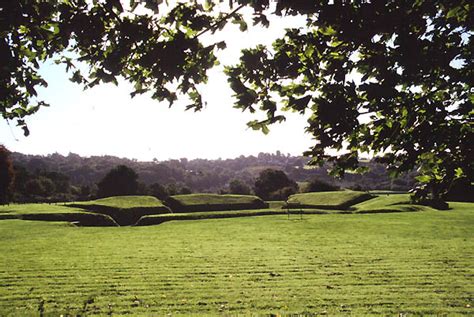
point(410, 103)
point(119, 181)
point(274, 185)
point(236, 186)
point(318, 185)
point(157, 190)
point(7, 175)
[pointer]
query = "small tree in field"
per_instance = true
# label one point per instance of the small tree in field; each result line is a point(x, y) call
point(318, 185)
point(274, 185)
point(236, 186)
point(119, 181)
point(159, 191)
point(7, 175)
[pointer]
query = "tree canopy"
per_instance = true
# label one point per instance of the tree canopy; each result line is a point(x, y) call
point(119, 181)
point(274, 184)
point(389, 78)
point(7, 175)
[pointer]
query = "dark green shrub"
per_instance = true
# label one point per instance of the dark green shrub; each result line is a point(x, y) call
point(282, 193)
point(7, 175)
point(318, 185)
point(460, 190)
point(236, 186)
point(271, 183)
point(119, 181)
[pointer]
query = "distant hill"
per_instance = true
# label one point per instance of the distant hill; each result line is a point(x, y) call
point(76, 174)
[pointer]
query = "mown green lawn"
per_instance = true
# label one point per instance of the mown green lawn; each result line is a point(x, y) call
point(332, 200)
point(54, 212)
point(213, 202)
point(21, 209)
point(381, 264)
point(210, 199)
point(124, 202)
point(384, 201)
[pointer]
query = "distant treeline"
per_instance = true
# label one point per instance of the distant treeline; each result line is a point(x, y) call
point(72, 177)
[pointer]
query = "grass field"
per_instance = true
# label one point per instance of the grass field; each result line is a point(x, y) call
point(158, 219)
point(328, 200)
point(22, 209)
point(375, 264)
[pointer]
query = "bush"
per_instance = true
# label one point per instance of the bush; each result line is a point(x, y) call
point(119, 181)
point(357, 187)
point(282, 194)
point(460, 190)
point(318, 185)
point(159, 191)
point(7, 175)
point(238, 187)
point(434, 203)
point(271, 183)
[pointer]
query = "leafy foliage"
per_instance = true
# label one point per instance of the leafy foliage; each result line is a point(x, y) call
point(416, 73)
point(7, 175)
point(274, 185)
point(75, 177)
point(236, 186)
point(318, 185)
point(159, 191)
point(461, 190)
point(120, 181)
point(412, 104)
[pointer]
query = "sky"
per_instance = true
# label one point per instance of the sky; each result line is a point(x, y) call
point(105, 120)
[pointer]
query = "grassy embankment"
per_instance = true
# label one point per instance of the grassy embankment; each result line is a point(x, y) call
point(146, 210)
point(336, 200)
point(200, 206)
point(54, 212)
point(364, 264)
point(125, 210)
point(214, 202)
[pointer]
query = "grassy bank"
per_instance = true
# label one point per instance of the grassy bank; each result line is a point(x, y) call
point(376, 264)
point(125, 210)
point(214, 202)
point(328, 200)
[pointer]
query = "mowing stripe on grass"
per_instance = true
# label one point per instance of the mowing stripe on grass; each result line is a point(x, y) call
point(377, 264)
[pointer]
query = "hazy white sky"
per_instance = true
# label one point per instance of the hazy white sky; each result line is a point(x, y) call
point(106, 121)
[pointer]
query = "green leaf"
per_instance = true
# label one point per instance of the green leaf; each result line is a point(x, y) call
point(424, 178)
point(259, 125)
point(221, 45)
point(328, 30)
point(459, 172)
